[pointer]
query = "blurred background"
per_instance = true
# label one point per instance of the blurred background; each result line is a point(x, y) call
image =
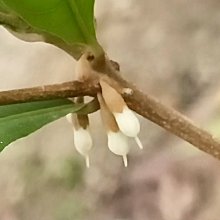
point(168, 48)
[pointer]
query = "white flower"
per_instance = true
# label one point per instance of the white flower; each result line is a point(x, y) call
point(83, 143)
point(126, 119)
point(128, 124)
point(117, 143)
point(81, 134)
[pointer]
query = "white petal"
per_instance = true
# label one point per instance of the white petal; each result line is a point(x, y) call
point(117, 143)
point(83, 142)
point(128, 122)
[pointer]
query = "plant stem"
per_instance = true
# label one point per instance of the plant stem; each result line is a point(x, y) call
point(143, 104)
point(62, 90)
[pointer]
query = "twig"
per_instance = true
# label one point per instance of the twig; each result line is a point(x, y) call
point(62, 90)
point(174, 122)
point(141, 103)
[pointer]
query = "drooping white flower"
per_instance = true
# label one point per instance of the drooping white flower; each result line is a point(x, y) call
point(128, 124)
point(126, 119)
point(81, 133)
point(83, 143)
point(118, 144)
point(117, 141)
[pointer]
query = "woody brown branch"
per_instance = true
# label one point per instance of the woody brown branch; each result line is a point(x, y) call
point(141, 103)
point(62, 90)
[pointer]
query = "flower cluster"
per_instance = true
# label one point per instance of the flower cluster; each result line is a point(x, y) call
point(119, 121)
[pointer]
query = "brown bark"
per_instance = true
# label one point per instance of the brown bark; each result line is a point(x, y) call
point(141, 103)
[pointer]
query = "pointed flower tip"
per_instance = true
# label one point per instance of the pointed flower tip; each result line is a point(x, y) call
point(127, 122)
point(87, 161)
point(140, 145)
point(125, 160)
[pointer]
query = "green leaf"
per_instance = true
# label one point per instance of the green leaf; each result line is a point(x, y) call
point(70, 20)
point(91, 107)
point(13, 109)
point(3, 7)
point(19, 120)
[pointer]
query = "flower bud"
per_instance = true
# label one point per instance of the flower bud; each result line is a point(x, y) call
point(81, 133)
point(83, 143)
point(129, 124)
point(125, 118)
point(117, 141)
